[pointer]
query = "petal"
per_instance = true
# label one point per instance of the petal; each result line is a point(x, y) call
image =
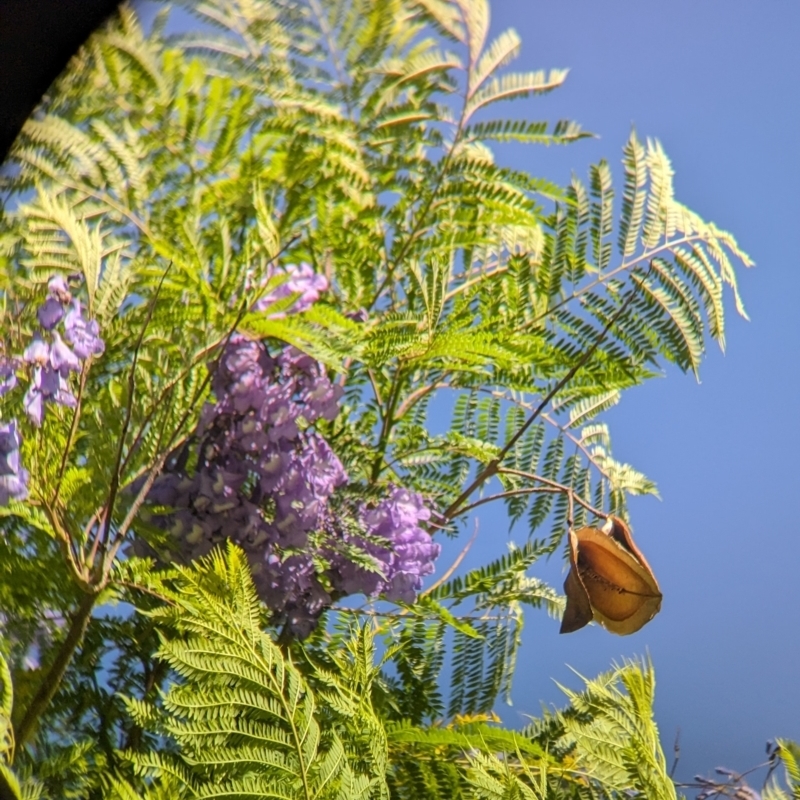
point(37, 352)
point(62, 358)
point(578, 612)
point(57, 287)
point(50, 313)
point(32, 403)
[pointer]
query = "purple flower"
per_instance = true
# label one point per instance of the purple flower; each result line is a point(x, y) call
point(8, 377)
point(47, 384)
point(323, 399)
point(50, 314)
point(52, 311)
point(62, 358)
point(82, 335)
point(13, 479)
point(262, 476)
point(33, 403)
point(58, 289)
point(303, 282)
point(411, 552)
point(9, 448)
point(37, 352)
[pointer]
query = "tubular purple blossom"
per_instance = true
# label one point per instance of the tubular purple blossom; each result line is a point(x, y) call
point(58, 289)
point(62, 358)
point(302, 281)
point(50, 313)
point(13, 479)
point(82, 335)
point(8, 375)
point(37, 352)
point(47, 384)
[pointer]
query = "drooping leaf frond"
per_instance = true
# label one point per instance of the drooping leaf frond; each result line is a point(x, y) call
point(242, 715)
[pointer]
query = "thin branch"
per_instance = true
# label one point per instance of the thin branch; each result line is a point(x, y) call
point(514, 493)
point(336, 56)
point(137, 587)
point(368, 612)
point(198, 357)
point(560, 487)
point(76, 415)
point(375, 390)
point(578, 443)
point(155, 470)
point(563, 429)
point(67, 544)
point(420, 220)
point(492, 467)
point(116, 474)
point(52, 679)
point(455, 565)
point(633, 264)
point(677, 751)
point(477, 279)
point(386, 426)
point(417, 395)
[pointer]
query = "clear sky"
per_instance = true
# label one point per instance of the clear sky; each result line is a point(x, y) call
point(718, 82)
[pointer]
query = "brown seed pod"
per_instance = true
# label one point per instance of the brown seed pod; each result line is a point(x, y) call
point(609, 581)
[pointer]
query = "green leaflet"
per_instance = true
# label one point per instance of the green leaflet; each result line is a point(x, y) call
point(242, 715)
point(611, 724)
point(174, 174)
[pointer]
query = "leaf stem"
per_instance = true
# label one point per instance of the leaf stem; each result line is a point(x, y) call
point(105, 525)
point(76, 416)
point(491, 469)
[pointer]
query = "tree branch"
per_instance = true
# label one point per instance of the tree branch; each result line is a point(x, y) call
point(492, 467)
point(52, 680)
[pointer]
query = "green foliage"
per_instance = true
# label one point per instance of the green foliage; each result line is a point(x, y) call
point(172, 173)
point(240, 716)
point(616, 739)
point(789, 754)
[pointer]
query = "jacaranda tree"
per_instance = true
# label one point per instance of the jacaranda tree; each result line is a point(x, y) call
point(238, 268)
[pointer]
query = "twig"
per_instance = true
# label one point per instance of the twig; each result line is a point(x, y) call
point(417, 395)
point(492, 467)
point(513, 493)
point(578, 443)
point(455, 565)
point(647, 256)
point(76, 415)
point(676, 748)
point(115, 475)
point(170, 386)
point(159, 462)
point(145, 590)
point(52, 679)
point(558, 486)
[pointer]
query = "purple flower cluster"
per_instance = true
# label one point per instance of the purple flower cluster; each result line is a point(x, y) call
point(301, 282)
point(406, 558)
point(52, 361)
point(264, 477)
point(13, 479)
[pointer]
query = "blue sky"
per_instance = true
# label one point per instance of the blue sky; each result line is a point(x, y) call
point(717, 82)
